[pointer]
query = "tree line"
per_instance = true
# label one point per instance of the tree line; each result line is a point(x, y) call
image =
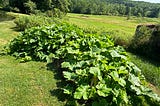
point(97, 7)
point(115, 7)
point(31, 6)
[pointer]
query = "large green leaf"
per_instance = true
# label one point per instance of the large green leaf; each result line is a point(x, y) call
point(114, 53)
point(124, 96)
point(115, 75)
point(66, 65)
point(122, 82)
point(95, 71)
point(69, 76)
point(102, 90)
point(82, 92)
point(134, 80)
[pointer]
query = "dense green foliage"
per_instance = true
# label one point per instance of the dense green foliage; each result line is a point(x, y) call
point(105, 7)
point(3, 3)
point(98, 72)
point(39, 42)
point(34, 6)
point(95, 70)
point(115, 7)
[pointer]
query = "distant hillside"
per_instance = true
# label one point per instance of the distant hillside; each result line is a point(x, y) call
point(116, 7)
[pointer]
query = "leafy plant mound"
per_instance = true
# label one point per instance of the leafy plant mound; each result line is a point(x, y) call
point(38, 43)
point(95, 70)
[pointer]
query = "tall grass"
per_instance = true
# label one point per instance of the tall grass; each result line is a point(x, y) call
point(150, 68)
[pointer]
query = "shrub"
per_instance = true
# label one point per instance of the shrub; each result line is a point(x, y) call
point(96, 71)
point(25, 22)
point(55, 13)
point(146, 41)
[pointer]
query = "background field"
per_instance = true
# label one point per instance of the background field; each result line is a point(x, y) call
point(121, 29)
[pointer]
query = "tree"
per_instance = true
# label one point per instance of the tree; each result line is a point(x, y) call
point(27, 6)
point(62, 5)
point(20, 4)
point(30, 7)
point(3, 3)
point(114, 7)
point(158, 13)
point(128, 9)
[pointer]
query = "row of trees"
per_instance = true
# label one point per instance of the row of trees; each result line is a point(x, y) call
point(115, 7)
point(30, 6)
point(98, 7)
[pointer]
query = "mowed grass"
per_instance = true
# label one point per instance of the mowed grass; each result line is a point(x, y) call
point(122, 28)
point(6, 32)
point(108, 23)
point(102, 22)
point(25, 84)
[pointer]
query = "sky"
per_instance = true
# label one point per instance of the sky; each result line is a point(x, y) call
point(152, 1)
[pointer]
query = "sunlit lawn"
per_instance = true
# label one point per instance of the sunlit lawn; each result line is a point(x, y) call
point(24, 84)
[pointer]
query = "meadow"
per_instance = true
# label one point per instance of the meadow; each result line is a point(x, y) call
point(32, 84)
point(121, 29)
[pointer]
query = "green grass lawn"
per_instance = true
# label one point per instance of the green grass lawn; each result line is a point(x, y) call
point(25, 84)
point(107, 23)
point(6, 32)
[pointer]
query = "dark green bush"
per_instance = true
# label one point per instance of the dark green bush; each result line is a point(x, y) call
point(39, 42)
point(25, 22)
point(146, 41)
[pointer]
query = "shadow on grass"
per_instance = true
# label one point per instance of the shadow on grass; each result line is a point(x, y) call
point(150, 68)
point(61, 83)
point(5, 17)
point(149, 59)
point(16, 29)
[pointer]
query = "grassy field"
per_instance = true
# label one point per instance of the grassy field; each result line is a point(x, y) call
point(25, 84)
point(121, 28)
point(107, 23)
